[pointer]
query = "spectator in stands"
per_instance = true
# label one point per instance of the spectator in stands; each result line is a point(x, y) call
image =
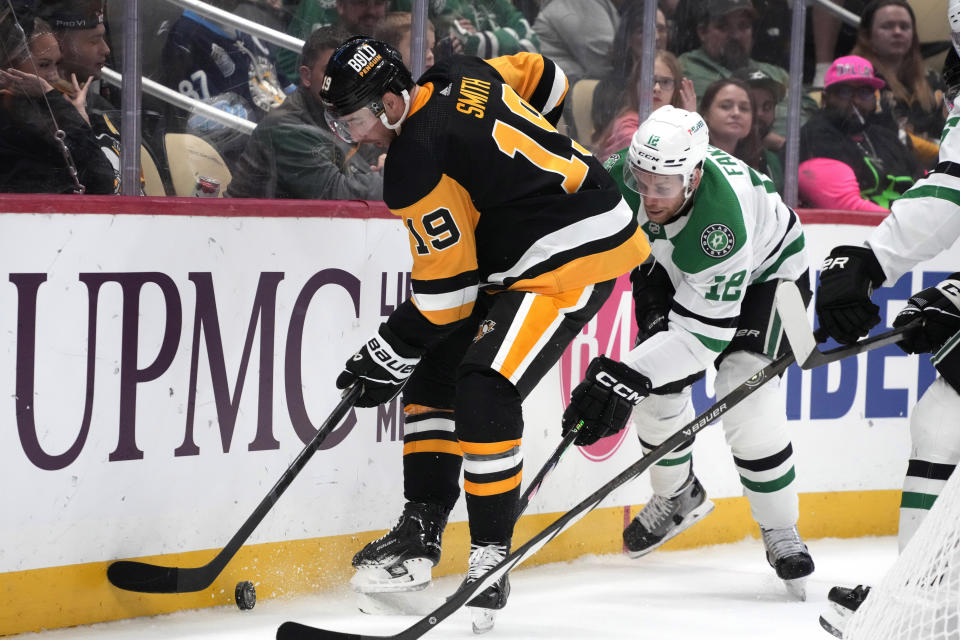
point(578, 35)
point(850, 155)
point(269, 14)
point(610, 94)
point(484, 28)
point(78, 28)
point(913, 95)
point(727, 107)
point(766, 93)
point(395, 30)
point(204, 60)
point(32, 160)
point(831, 37)
point(725, 29)
point(293, 154)
point(669, 87)
point(353, 16)
point(223, 68)
point(771, 29)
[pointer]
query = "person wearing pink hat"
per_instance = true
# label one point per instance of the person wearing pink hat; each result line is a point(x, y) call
point(850, 156)
point(887, 37)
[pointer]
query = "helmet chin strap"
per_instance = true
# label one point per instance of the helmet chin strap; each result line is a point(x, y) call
point(406, 110)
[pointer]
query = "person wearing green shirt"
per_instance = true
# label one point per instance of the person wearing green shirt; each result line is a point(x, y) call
point(726, 37)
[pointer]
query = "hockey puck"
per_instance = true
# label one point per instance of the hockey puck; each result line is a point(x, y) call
point(246, 595)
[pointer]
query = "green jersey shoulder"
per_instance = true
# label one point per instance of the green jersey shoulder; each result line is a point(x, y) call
point(714, 229)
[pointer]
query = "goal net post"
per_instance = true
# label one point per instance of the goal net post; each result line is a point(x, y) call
point(919, 597)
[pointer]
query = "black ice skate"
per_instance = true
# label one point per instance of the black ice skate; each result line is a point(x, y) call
point(789, 557)
point(844, 602)
point(484, 606)
point(402, 559)
point(664, 517)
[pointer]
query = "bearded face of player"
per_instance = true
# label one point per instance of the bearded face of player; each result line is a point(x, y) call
point(366, 124)
point(663, 195)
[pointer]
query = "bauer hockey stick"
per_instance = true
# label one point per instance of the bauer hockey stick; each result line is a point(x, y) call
point(466, 592)
point(803, 341)
point(151, 578)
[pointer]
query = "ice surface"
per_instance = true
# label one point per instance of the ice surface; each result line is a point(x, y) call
point(717, 593)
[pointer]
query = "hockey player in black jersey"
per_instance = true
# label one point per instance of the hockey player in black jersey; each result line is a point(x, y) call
point(517, 234)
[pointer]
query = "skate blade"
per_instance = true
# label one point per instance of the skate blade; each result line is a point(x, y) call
point(797, 588)
point(829, 628)
point(483, 619)
point(834, 620)
point(372, 579)
point(409, 603)
point(691, 519)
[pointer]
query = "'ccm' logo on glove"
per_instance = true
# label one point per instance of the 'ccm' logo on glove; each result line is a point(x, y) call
point(622, 390)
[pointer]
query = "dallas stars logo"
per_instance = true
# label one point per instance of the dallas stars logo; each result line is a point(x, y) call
point(717, 240)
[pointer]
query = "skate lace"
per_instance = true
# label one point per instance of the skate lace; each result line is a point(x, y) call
point(783, 542)
point(655, 512)
point(483, 558)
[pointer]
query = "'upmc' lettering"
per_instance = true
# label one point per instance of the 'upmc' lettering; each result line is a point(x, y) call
point(138, 367)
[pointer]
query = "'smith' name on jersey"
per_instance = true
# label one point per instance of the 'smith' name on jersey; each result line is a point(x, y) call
point(473, 98)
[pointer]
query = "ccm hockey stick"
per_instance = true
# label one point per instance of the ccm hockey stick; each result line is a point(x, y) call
point(151, 578)
point(803, 341)
point(466, 592)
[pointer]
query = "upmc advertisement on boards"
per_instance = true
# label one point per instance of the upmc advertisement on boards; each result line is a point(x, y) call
point(160, 372)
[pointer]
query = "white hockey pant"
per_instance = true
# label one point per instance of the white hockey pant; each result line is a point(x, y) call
point(755, 430)
point(934, 452)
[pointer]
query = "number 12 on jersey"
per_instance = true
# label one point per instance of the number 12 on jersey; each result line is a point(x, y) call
point(731, 287)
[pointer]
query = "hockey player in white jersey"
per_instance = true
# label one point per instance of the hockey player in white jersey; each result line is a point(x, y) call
point(721, 240)
point(922, 224)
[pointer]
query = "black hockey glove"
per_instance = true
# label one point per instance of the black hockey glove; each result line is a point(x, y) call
point(652, 297)
point(847, 280)
point(604, 400)
point(382, 365)
point(939, 310)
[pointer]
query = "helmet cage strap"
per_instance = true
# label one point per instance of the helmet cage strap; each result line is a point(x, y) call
point(406, 110)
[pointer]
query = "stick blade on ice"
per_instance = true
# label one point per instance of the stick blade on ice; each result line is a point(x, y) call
point(297, 631)
point(142, 577)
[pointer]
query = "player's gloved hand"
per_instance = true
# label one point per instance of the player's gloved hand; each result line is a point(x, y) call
point(382, 366)
point(939, 309)
point(847, 280)
point(604, 400)
point(652, 296)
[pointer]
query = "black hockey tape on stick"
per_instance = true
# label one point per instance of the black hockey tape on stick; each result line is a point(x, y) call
point(466, 592)
point(803, 341)
point(151, 578)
